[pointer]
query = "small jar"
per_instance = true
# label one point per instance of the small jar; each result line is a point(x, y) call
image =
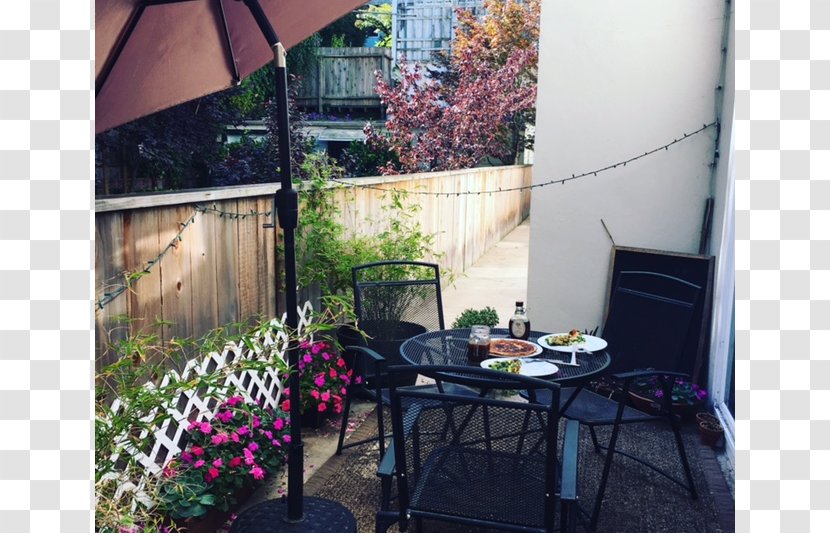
point(478, 346)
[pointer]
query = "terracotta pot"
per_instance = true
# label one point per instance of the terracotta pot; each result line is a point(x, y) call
point(703, 416)
point(710, 433)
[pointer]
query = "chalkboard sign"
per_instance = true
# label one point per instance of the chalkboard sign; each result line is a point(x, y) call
point(697, 269)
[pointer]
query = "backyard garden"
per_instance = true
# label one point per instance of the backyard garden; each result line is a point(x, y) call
point(191, 394)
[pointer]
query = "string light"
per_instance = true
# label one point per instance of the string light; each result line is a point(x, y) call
point(109, 296)
point(546, 183)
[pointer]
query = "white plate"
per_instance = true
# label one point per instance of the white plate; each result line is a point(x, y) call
point(591, 344)
point(537, 348)
point(530, 367)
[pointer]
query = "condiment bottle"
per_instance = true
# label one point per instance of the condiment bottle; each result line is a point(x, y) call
point(519, 325)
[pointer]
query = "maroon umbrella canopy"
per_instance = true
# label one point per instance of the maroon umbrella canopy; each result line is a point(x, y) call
point(172, 52)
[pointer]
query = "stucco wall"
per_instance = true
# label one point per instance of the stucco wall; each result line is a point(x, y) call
point(618, 79)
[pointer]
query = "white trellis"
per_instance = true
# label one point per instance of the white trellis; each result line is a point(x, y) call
point(168, 439)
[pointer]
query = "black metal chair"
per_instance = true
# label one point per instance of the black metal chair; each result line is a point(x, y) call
point(394, 301)
point(646, 328)
point(487, 462)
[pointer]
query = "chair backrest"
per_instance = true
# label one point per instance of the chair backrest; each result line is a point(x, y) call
point(394, 301)
point(648, 321)
point(480, 460)
point(394, 298)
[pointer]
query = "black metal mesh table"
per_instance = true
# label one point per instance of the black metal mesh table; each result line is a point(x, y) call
point(449, 347)
point(320, 516)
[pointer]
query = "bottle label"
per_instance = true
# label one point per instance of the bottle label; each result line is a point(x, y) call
point(518, 329)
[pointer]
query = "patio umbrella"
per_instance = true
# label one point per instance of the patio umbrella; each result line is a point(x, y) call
point(154, 54)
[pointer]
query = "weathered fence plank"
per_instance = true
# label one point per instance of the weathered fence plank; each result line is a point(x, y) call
point(345, 77)
point(224, 269)
point(204, 285)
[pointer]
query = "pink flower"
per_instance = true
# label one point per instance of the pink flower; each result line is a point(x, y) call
point(218, 463)
point(249, 456)
point(219, 438)
point(205, 428)
point(212, 474)
point(276, 443)
point(326, 356)
point(243, 430)
point(320, 380)
point(279, 424)
point(256, 422)
point(286, 439)
point(187, 457)
point(307, 358)
point(253, 446)
point(257, 472)
point(343, 390)
point(326, 396)
point(192, 425)
point(197, 450)
point(236, 461)
point(169, 469)
point(232, 401)
point(358, 380)
point(321, 407)
point(315, 394)
point(341, 363)
point(225, 416)
point(268, 434)
point(285, 406)
point(234, 437)
point(332, 373)
point(315, 348)
point(199, 464)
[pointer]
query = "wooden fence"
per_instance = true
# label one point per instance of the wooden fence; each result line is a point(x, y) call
point(345, 77)
point(204, 259)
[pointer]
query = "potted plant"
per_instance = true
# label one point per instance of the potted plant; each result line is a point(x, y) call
point(710, 428)
point(225, 460)
point(324, 377)
point(647, 394)
point(481, 317)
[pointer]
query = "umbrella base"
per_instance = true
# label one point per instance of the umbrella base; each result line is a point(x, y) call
point(319, 515)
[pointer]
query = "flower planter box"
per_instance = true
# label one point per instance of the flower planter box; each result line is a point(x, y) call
point(652, 405)
point(313, 419)
point(214, 519)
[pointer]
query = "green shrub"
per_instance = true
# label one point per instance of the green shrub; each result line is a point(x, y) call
point(472, 317)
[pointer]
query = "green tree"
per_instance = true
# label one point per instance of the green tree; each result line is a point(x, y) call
point(377, 20)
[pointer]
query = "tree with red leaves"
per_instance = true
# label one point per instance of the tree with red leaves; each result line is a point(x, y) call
point(456, 119)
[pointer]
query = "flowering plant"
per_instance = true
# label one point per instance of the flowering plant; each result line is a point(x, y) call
point(683, 392)
point(241, 445)
point(323, 378)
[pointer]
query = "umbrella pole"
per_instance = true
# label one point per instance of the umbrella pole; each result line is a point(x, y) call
point(287, 210)
point(322, 515)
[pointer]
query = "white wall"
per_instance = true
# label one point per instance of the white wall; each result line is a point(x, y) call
point(617, 79)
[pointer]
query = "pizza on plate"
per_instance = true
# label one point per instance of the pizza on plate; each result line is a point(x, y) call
point(511, 348)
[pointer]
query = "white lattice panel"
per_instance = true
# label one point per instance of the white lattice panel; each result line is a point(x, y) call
point(169, 437)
